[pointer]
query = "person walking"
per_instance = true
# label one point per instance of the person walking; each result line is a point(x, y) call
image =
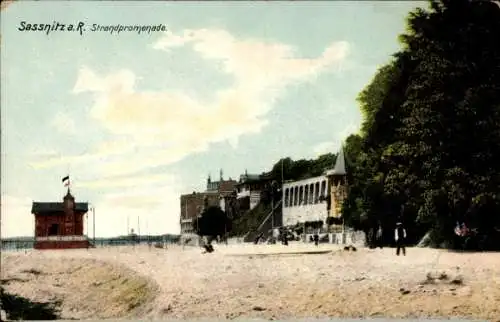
point(400, 237)
point(316, 239)
point(378, 237)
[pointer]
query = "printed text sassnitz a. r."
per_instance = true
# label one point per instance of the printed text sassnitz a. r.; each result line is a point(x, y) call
point(55, 26)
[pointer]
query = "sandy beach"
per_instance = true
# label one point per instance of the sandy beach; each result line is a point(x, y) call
point(264, 281)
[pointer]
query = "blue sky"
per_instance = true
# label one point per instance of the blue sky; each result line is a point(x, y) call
point(138, 119)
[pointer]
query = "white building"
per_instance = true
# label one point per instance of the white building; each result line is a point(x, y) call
point(316, 199)
point(249, 189)
point(305, 200)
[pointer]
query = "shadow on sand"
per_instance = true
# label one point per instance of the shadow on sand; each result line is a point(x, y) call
point(20, 308)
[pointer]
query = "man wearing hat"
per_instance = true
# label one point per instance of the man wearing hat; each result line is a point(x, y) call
point(400, 237)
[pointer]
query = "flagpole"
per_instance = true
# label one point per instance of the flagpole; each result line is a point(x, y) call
point(282, 177)
point(138, 230)
point(93, 222)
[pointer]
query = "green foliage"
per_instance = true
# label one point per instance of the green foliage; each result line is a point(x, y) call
point(302, 169)
point(213, 222)
point(430, 140)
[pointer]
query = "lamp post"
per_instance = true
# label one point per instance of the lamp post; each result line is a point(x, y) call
point(93, 223)
point(272, 205)
point(87, 232)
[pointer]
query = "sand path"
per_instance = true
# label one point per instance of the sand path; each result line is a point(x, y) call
point(342, 284)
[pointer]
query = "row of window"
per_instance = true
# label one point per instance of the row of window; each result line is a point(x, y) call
point(305, 194)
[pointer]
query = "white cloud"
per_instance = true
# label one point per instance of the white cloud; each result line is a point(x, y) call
point(17, 219)
point(163, 127)
point(64, 123)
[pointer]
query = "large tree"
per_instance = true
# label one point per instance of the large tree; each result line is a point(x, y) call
point(213, 222)
point(431, 131)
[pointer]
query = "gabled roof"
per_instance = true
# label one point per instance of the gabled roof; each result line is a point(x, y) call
point(54, 207)
point(249, 177)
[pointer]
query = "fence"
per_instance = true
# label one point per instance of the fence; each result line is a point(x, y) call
point(28, 243)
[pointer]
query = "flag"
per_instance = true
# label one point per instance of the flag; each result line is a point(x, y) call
point(65, 181)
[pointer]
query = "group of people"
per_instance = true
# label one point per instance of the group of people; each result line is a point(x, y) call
point(399, 238)
point(277, 235)
point(377, 239)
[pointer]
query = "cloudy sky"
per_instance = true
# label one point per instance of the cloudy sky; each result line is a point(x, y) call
point(138, 119)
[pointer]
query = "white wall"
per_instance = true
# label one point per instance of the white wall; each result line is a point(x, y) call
point(293, 214)
point(301, 214)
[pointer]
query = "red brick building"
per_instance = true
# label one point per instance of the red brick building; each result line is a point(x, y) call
point(217, 193)
point(192, 205)
point(59, 225)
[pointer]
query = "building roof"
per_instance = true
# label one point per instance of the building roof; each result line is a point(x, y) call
point(249, 177)
point(47, 208)
point(339, 169)
point(195, 194)
point(304, 181)
point(254, 178)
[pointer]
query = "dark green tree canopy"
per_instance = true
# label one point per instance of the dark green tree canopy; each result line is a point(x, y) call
point(213, 222)
point(430, 138)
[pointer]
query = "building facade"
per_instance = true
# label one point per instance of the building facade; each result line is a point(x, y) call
point(192, 205)
point(218, 193)
point(60, 224)
point(317, 199)
point(305, 201)
point(249, 189)
point(337, 178)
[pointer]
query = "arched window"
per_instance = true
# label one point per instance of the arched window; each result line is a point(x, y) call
point(323, 188)
point(306, 195)
point(311, 193)
point(295, 196)
point(301, 195)
point(316, 192)
point(287, 197)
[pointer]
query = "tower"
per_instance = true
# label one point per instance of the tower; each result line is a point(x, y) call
point(337, 181)
point(221, 177)
point(69, 212)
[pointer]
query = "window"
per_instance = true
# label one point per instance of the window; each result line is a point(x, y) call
point(295, 196)
point(316, 192)
point(53, 230)
point(306, 194)
point(323, 188)
point(301, 195)
point(311, 193)
point(287, 197)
